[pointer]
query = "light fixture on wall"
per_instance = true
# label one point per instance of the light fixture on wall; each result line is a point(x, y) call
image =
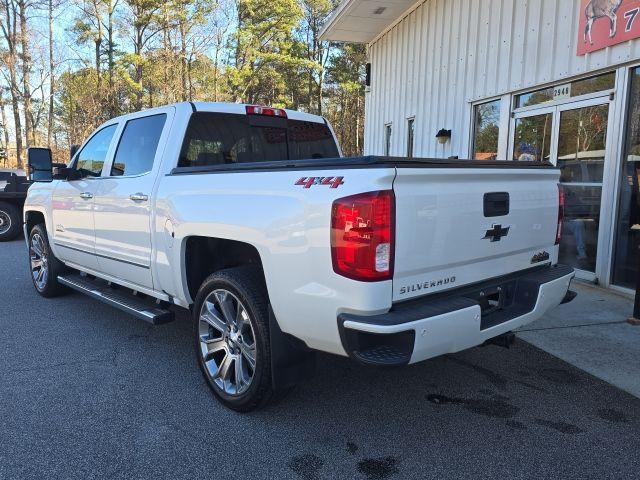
point(443, 135)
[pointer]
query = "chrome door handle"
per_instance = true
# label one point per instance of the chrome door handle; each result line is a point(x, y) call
point(86, 195)
point(138, 197)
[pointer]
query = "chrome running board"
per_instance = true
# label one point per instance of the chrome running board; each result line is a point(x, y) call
point(143, 308)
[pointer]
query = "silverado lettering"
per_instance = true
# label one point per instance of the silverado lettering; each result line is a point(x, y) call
point(416, 287)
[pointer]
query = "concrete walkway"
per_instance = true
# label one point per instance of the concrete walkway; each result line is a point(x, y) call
point(591, 333)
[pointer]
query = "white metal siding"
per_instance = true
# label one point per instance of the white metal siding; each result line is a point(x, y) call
point(446, 54)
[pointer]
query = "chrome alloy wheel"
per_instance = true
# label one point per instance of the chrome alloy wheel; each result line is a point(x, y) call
point(5, 222)
point(39, 261)
point(227, 342)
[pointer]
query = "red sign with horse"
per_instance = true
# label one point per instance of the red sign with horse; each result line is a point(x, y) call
point(607, 22)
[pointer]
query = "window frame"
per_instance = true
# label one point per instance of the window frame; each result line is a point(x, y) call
point(170, 111)
point(553, 141)
point(107, 172)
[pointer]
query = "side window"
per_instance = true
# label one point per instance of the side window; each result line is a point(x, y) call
point(387, 139)
point(137, 147)
point(486, 130)
point(91, 158)
point(410, 134)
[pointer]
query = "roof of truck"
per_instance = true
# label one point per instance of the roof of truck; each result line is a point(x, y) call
point(228, 107)
point(240, 108)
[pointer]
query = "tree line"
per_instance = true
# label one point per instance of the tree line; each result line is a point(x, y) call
point(68, 65)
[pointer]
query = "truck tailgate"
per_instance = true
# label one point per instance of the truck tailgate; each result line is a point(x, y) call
point(453, 227)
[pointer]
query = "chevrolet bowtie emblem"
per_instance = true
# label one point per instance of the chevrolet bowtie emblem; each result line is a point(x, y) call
point(496, 232)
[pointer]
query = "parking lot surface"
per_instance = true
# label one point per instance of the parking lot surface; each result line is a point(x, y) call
point(89, 392)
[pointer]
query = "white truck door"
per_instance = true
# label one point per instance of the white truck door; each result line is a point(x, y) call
point(123, 200)
point(72, 205)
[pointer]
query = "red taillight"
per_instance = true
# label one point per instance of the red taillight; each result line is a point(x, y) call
point(268, 111)
point(362, 236)
point(560, 214)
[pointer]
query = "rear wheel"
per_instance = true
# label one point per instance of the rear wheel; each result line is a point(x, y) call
point(9, 221)
point(44, 266)
point(232, 337)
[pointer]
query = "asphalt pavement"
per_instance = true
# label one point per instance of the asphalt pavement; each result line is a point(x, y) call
point(89, 392)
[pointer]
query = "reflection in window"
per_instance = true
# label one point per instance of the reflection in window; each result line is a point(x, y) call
point(486, 131)
point(625, 266)
point(532, 139)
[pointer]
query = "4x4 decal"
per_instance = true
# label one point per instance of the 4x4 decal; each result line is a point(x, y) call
point(333, 182)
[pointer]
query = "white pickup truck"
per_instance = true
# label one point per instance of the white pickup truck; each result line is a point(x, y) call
point(248, 216)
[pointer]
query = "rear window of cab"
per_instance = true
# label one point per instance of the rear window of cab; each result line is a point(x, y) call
point(226, 138)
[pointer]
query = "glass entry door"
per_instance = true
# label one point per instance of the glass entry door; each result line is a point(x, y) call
point(572, 136)
point(580, 155)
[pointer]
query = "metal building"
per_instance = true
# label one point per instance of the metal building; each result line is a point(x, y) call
point(554, 80)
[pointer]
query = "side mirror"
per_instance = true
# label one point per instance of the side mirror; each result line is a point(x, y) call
point(73, 150)
point(40, 164)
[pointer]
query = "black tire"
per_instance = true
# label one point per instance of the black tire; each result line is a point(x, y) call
point(50, 287)
point(9, 213)
point(247, 285)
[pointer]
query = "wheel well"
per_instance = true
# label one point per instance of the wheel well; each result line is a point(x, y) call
point(205, 255)
point(33, 219)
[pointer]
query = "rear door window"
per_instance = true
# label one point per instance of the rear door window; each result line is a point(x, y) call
point(138, 145)
point(219, 138)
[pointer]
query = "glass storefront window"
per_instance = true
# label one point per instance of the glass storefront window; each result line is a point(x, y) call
point(576, 88)
point(627, 240)
point(486, 130)
point(532, 140)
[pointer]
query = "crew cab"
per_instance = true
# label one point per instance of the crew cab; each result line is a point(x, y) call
point(249, 217)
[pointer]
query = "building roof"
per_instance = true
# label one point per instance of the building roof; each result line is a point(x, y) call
point(360, 21)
